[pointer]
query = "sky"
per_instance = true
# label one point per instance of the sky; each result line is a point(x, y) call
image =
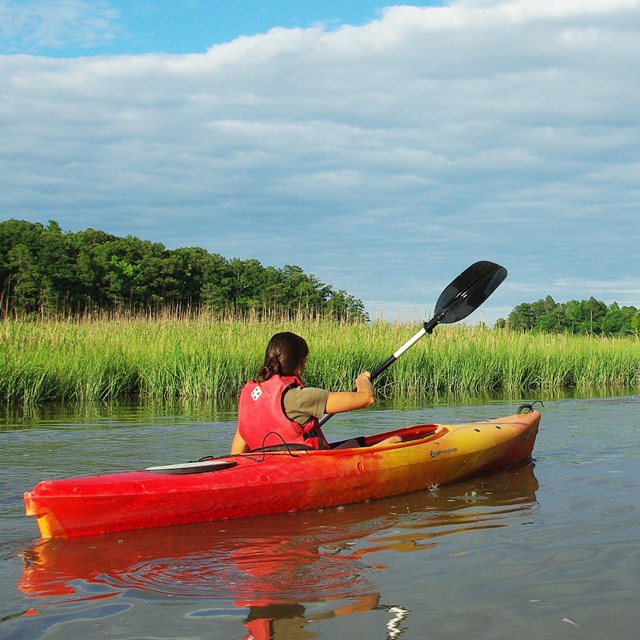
point(382, 148)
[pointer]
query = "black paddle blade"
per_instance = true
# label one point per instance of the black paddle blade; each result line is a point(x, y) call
point(463, 296)
point(468, 291)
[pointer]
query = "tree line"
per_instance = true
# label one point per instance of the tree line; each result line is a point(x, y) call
point(591, 317)
point(45, 271)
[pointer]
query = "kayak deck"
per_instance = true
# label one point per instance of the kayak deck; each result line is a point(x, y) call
point(261, 483)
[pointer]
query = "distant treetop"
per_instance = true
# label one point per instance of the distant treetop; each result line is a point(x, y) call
point(575, 316)
point(44, 271)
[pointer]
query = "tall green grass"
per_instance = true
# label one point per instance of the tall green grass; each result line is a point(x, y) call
point(170, 358)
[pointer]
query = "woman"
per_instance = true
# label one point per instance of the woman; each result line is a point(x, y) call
point(276, 408)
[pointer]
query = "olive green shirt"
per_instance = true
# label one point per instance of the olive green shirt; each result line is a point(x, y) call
point(302, 403)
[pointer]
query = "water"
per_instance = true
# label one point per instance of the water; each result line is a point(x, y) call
point(550, 549)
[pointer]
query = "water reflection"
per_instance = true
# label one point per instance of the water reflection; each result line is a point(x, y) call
point(147, 410)
point(280, 621)
point(115, 412)
point(282, 573)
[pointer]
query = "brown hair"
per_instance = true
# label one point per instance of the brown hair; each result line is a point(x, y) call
point(285, 352)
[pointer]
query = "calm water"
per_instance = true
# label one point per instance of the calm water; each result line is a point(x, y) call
point(548, 550)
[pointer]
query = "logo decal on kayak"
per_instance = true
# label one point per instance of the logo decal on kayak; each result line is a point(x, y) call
point(435, 454)
point(256, 393)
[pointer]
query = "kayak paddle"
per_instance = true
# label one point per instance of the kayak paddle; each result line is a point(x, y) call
point(463, 296)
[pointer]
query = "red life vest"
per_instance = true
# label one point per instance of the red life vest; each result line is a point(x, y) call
point(262, 421)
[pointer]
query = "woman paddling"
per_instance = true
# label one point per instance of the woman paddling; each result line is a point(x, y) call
point(276, 408)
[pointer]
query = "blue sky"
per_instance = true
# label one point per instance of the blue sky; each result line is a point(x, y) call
point(381, 148)
point(111, 27)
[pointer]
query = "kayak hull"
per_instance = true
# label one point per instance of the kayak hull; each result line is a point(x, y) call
point(276, 482)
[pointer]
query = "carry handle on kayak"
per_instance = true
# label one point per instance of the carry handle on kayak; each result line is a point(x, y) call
point(463, 296)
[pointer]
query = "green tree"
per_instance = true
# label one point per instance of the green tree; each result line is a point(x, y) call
point(523, 317)
point(575, 312)
point(25, 287)
point(635, 323)
point(19, 276)
point(214, 287)
point(56, 263)
point(549, 316)
point(582, 317)
point(343, 306)
point(595, 312)
point(186, 276)
point(613, 321)
point(44, 270)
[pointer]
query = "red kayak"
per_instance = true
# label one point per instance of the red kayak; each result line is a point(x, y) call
point(267, 482)
point(234, 558)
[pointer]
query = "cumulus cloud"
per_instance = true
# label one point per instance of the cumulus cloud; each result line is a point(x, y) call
point(382, 158)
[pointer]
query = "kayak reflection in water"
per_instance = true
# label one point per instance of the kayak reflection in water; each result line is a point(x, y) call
point(284, 574)
point(288, 621)
point(284, 583)
point(277, 409)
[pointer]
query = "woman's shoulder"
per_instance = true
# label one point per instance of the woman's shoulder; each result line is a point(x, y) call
point(305, 400)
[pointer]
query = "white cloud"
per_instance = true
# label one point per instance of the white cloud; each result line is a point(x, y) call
point(382, 158)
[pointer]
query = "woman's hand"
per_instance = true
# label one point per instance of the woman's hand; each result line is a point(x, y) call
point(364, 384)
point(363, 396)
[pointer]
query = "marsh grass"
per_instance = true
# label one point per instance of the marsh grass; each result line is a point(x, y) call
point(199, 358)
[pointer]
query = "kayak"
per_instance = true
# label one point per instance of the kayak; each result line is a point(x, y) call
point(284, 480)
point(326, 549)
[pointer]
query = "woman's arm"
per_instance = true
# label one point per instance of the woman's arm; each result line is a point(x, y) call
point(238, 445)
point(363, 396)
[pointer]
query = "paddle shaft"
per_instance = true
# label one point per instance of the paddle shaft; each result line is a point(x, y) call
point(484, 277)
point(428, 327)
point(389, 361)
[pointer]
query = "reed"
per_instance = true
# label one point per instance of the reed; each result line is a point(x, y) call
point(169, 357)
